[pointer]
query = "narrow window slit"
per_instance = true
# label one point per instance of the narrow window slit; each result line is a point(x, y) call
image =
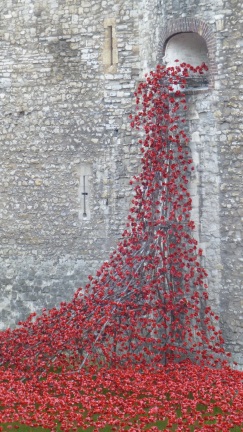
point(110, 37)
point(84, 193)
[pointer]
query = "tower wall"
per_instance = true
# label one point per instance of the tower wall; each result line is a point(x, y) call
point(68, 70)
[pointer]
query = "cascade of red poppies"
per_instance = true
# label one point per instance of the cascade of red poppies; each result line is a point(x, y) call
point(148, 304)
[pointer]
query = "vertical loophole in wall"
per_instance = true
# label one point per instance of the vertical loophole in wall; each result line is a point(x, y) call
point(110, 52)
point(85, 173)
point(110, 37)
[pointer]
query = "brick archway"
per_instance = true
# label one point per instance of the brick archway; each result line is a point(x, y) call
point(186, 25)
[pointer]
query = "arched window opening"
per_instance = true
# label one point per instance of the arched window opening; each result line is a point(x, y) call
point(188, 48)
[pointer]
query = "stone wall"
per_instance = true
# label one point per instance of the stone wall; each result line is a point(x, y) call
point(230, 143)
point(65, 99)
point(64, 114)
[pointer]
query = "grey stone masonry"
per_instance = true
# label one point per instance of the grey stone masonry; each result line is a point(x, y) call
point(68, 70)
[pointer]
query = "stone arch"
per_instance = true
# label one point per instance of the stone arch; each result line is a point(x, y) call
point(190, 25)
